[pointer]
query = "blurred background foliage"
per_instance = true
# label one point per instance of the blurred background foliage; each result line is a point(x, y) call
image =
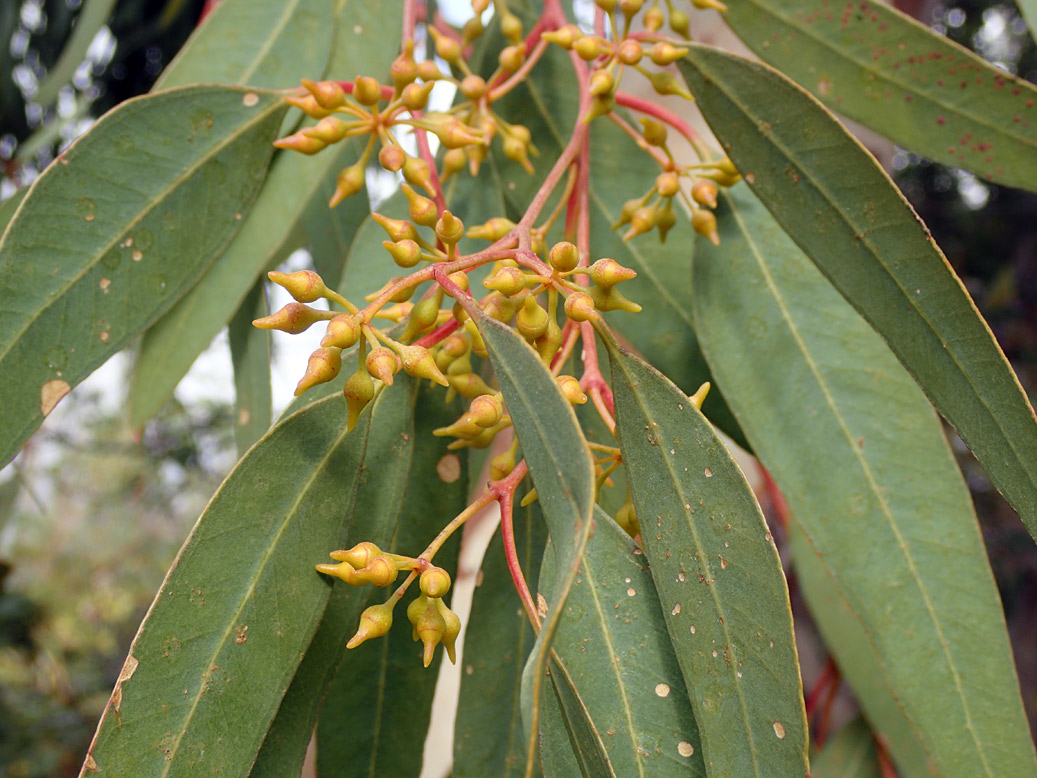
point(92, 513)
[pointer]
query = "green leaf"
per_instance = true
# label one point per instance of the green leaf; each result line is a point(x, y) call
point(373, 516)
point(377, 710)
point(331, 233)
point(614, 646)
point(91, 17)
point(9, 206)
point(718, 576)
point(907, 601)
point(250, 355)
point(240, 605)
point(1028, 9)
point(498, 637)
point(269, 233)
point(561, 467)
point(844, 212)
point(850, 754)
point(266, 43)
point(872, 63)
point(585, 738)
point(115, 231)
point(547, 102)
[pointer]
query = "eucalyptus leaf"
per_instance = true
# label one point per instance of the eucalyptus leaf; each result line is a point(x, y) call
point(845, 214)
point(250, 355)
point(97, 251)
point(850, 754)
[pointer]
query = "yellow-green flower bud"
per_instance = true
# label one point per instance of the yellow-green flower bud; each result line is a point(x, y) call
point(589, 48)
point(374, 622)
point(456, 345)
point(630, 7)
point(493, 230)
point(431, 627)
point(308, 105)
point(392, 157)
point(517, 150)
point(434, 582)
point(293, 319)
point(630, 52)
point(304, 285)
point(680, 24)
point(602, 83)
point(343, 571)
point(600, 105)
point(511, 27)
point(449, 228)
point(416, 172)
point(428, 70)
point(383, 363)
point(704, 192)
point(359, 391)
point(302, 143)
point(418, 362)
point(706, 5)
point(564, 37)
point(531, 319)
point(343, 332)
point(607, 272)
point(611, 299)
point(580, 307)
point(406, 253)
point(663, 54)
point(462, 428)
point(608, 6)
point(564, 256)
point(626, 518)
point(350, 181)
point(422, 316)
point(478, 344)
point(446, 47)
point(668, 183)
point(501, 465)
point(473, 28)
point(627, 211)
point(700, 395)
point(653, 19)
point(414, 611)
point(422, 210)
point(547, 345)
point(404, 69)
point(451, 629)
point(396, 229)
point(473, 87)
point(380, 571)
point(665, 83)
point(359, 555)
point(415, 96)
point(571, 389)
point(654, 132)
point(665, 219)
point(508, 281)
point(328, 94)
point(323, 365)
point(705, 224)
point(501, 308)
point(486, 410)
point(469, 385)
point(330, 129)
point(641, 222)
point(367, 90)
point(512, 57)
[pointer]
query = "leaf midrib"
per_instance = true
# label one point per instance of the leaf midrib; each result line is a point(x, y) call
point(704, 560)
point(864, 234)
point(254, 580)
point(272, 38)
point(873, 486)
point(152, 206)
point(841, 53)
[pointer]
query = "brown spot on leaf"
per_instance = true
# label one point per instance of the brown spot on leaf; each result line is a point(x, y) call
point(51, 393)
point(128, 669)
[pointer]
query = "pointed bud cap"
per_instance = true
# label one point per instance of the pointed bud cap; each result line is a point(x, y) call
point(665, 83)
point(486, 410)
point(630, 52)
point(665, 219)
point(512, 57)
point(350, 181)
point(611, 299)
point(446, 47)
point(414, 610)
point(418, 362)
point(422, 210)
point(374, 622)
point(404, 69)
point(305, 285)
point(415, 96)
point(343, 571)
point(359, 555)
point(328, 94)
point(396, 229)
point(380, 571)
point(293, 319)
point(627, 211)
point(680, 24)
point(517, 150)
point(564, 37)
point(508, 281)
point(564, 256)
point(422, 316)
point(301, 143)
point(428, 70)
point(493, 230)
point(406, 253)
point(663, 54)
point(454, 161)
point(330, 129)
point(607, 272)
point(359, 391)
point(511, 26)
point(431, 628)
point(323, 365)
point(383, 363)
point(700, 395)
point(434, 582)
point(654, 132)
point(705, 224)
point(704, 192)
point(571, 389)
point(580, 307)
point(392, 157)
point(641, 222)
point(451, 629)
point(416, 172)
point(501, 465)
point(367, 90)
point(449, 228)
point(531, 319)
point(308, 105)
point(343, 332)
point(602, 83)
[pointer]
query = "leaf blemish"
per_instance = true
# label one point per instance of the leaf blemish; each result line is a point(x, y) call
point(51, 393)
point(662, 690)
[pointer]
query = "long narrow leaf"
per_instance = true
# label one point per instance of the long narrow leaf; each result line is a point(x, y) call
point(850, 754)
point(862, 460)
point(97, 250)
point(718, 576)
point(250, 355)
point(834, 201)
point(876, 65)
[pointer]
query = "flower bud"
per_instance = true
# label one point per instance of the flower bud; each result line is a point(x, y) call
point(517, 150)
point(705, 5)
point(478, 344)
point(501, 308)
point(383, 363)
point(564, 37)
point(396, 229)
point(343, 571)
point(512, 57)
point(359, 555)
point(308, 105)
point(629, 8)
point(654, 132)
point(630, 52)
point(330, 129)
point(665, 219)
point(700, 395)
point(452, 132)
point(323, 365)
point(392, 157)
point(663, 54)
point(404, 69)
point(414, 611)
point(668, 184)
point(422, 316)
point(293, 319)
point(374, 622)
point(611, 299)
point(704, 192)
point(511, 27)
point(589, 48)
point(653, 19)
point(406, 253)
point(501, 465)
point(434, 582)
point(428, 70)
point(343, 332)
point(564, 256)
point(627, 211)
point(359, 391)
point(680, 24)
point(600, 105)
point(418, 362)
point(486, 410)
point(547, 345)
point(473, 87)
point(473, 28)
point(327, 94)
point(665, 83)
point(415, 96)
point(607, 272)
point(469, 385)
point(302, 143)
point(422, 210)
point(608, 6)
point(462, 428)
point(417, 173)
point(460, 279)
point(508, 281)
point(446, 47)
point(456, 345)
point(705, 224)
point(454, 161)
point(451, 629)
point(571, 389)
point(641, 222)
point(493, 230)
point(580, 307)
point(602, 83)
point(626, 518)
point(350, 181)
point(380, 571)
point(305, 285)
point(431, 627)
point(531, 319)
point(366, 90)
point(449, 228)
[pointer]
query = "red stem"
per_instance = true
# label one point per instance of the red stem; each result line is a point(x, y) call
point(777, 499)
point(660, 113)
